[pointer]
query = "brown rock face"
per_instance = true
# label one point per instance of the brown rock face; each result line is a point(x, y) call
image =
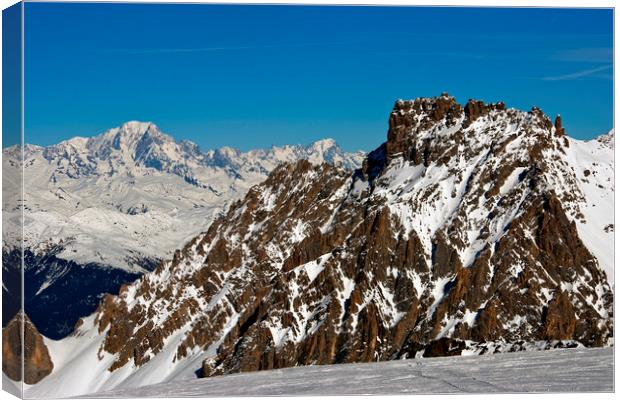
point(477, 108)
point(559, 318)
point(559, 130)
point(452, 231)
point(410, 117)
point(444, 347)
point(37, 362)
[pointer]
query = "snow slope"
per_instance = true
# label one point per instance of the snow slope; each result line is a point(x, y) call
point(566, 370)
point(593, 163)
point(80, 368)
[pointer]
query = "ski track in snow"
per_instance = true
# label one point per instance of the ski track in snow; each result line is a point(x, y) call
point(566, 370)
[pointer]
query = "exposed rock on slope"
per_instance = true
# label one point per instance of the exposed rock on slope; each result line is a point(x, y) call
point(37, 362)
point(463, 225)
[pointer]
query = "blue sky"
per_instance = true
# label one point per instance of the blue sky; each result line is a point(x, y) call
point(11, 75)
point(253, 76)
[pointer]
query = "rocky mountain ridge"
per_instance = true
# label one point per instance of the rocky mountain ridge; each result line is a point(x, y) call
point(466, 225)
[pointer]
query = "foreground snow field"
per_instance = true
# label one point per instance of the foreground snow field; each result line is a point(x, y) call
point(566, 370)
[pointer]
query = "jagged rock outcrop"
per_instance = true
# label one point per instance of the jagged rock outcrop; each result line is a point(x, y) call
point(444, 347)
point(559, 318)
point(463, 226)
point(37, 363)
point(477, 108)
point(559, 130)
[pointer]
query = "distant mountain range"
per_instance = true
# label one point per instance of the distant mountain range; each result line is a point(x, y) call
point(101, 211)
point(473, 227)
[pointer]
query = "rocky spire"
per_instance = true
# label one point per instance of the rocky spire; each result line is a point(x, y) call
point(411, 116)
point(478, 108)
point(559, 130)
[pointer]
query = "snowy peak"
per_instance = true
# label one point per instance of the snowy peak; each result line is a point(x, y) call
point(125, 139)
point(138, 139)
point(128, 136)
point(607, 139)
point(223, 157)
point(327, 150)
point(322, 151)
point(324, 144)
point(118, 150)
point(135, 147)
point(144, 145)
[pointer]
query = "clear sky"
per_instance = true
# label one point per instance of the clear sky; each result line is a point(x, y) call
point(253, 76)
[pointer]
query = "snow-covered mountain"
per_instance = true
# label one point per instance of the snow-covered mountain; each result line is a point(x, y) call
point(105, 209)
point(138, 191)
point(470, 223)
